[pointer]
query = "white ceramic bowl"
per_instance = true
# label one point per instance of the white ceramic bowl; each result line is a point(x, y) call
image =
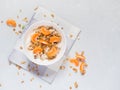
point(27, 37)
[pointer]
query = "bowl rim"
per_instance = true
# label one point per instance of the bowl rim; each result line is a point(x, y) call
point(62, 51)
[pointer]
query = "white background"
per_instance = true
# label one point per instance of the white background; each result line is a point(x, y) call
point(99, 21)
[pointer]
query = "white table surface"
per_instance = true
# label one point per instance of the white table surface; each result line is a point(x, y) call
point(99, 21)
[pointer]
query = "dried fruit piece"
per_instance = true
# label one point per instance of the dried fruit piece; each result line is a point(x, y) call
point(37, 50)
point(82, 70)
point(44, 31)
point(11, 22)
point(52, 52)
point(55, 39)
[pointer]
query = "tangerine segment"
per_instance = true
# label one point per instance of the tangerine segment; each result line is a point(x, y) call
point(52, 52)
point(34, 37)
point(44, 31)
point(43, 42)
point(55, 39)
point(83, 64)
point(74, 61)
point(11, 22)
point(37, 50)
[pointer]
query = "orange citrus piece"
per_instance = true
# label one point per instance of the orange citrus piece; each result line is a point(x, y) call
point(75, 62)
point(55, 39)
point(52, 52)
point(11, 22)
point(44, 31)
point(83, 64)
point(43, 41)
point(80, 57)
point(34, 37)
point(37, 50)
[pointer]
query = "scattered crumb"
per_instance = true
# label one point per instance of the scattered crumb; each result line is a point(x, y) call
point(10, 62)
point(69, 74)
point(40, 86)
point(71, 35)
point(35, 56)
point(75, 70)
point(18, 67)
point(33, 69)
point(22, 62)
point(75, 84)
point(14, 29)
point(78, 38)
point(17, 73)
point(20, 10)
point(61, 27)
point(70, 87)
point(16, 33)
point(51, 20)
point(19, 25)
point(64, 61)
point(62, 67)
point(36, 8)
point(28, 65)
point(32, 79)
point(70, 66)
point(1, 21)
point(44, 15)
point(38, 73)
point(46, 75)
point(0, 85)
point(67, 59)
point(36, 66)
point(29, 69)
point(20, 31)
point(17, 17)
point(52, 15)
point(23, 74)
point(25, 19)
point(21, 47)
point(22, 81)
